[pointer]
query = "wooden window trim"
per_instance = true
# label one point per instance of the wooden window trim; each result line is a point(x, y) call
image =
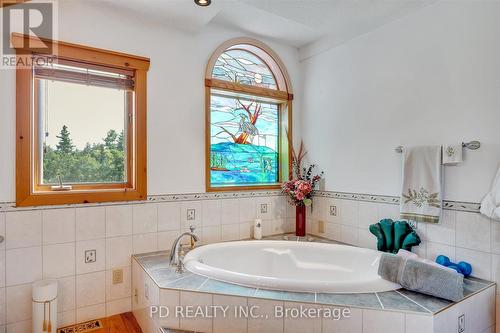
point(27, 194)
point(282, 96)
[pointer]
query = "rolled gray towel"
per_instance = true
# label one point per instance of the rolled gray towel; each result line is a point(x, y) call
point(389, 267)
point(422, 277)
point(432, 280)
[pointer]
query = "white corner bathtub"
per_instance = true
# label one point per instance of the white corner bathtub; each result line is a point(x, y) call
point(291, 266)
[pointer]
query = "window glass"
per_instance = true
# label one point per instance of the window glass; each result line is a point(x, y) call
point(243, 67)
point(243, 141)
point(82, 132)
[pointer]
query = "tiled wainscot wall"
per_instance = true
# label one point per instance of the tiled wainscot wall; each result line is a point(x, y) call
point(462, 234)
point(50, 242)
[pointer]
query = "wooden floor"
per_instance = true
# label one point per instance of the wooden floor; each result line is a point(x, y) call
point(122, 323)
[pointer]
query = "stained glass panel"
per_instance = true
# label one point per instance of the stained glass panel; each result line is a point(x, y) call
point(243, 67)
point(244, 142)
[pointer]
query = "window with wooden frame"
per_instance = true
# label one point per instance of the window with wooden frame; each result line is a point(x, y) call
point(248, 113)
point(81, 125)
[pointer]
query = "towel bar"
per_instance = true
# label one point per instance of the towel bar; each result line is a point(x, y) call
point(472, 145)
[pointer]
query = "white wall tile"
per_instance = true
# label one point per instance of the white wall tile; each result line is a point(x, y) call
point(166, 239)
point(19, 327)
point(66, 294)
point(90, 289)
point(2, 230)
point(18, 269)
point(211, 234)
point(383, 321)
point(444, 231)
point(352, 322)
point(191, 206)
point(118, 251)
point(230, 232)
point(58, 260)
point(300, 324)
point(230, 211)
point(118, 221)
point(118, 306)
point(349, 235)
point(170, 299)
point(473, 231)
point(229, 323)
point(278, 226)
point(436, 249)
point(349, 212)
point(333, 231)
point(23, 229)
point(196, 324)
point(418, 323)
point(480, 261)
point(58, 225)
point(87, 313)
point(145, 218)
point(169, 216)
point(495, 236)
point(246, 230)
point(120, 290)
point(211, 210)
point(144, 243)
point(2, 268)
point(367, 239)
point(66, 318)
point(495, 270)
point(319, 208)
point(267, 322)
point(3, 306)
point(90, 223)
point(247, 209)
point(19, 305)
point(99, 245)
point(368, 214)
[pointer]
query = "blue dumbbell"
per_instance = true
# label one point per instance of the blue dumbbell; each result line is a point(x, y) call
point(462, 267)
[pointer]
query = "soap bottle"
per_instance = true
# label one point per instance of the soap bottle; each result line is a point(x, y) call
point(257, 229)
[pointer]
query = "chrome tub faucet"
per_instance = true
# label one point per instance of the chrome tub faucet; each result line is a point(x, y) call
point(175, 258)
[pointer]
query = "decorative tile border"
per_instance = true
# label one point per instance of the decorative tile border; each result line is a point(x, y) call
point(448, 205)
point(11, 206)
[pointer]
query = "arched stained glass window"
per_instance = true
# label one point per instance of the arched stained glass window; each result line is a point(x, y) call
point(243, 67)
point(248, 112)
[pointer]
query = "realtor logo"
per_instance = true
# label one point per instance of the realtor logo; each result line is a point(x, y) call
point(36, 19)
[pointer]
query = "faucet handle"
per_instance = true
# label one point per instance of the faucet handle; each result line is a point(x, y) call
point(192, 228)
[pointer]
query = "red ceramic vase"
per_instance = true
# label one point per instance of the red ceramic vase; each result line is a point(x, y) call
point(300, 220)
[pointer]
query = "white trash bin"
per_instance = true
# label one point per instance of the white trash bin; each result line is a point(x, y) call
point(45, 306)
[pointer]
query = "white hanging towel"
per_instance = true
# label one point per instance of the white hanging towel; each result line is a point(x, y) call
point(421, 194)
point(490, 206)
point(452, 153)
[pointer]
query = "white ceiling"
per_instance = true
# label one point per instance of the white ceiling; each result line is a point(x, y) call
point(299, 23)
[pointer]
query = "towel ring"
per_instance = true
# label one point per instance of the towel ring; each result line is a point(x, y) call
point(472, 145)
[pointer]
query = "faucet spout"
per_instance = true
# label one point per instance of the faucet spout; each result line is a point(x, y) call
point(174, 251)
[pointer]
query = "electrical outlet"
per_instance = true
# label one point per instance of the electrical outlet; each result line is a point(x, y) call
point(191, 214)
point(90, 256)
point(333, 210)
point(117, 276)
point(263, 208)
point(321, 227)
point(461, 324)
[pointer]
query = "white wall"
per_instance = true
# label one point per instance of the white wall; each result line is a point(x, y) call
point(429, 78)
point(176, 111)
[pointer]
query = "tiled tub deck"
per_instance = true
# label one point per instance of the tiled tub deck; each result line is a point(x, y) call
point(154, 282)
